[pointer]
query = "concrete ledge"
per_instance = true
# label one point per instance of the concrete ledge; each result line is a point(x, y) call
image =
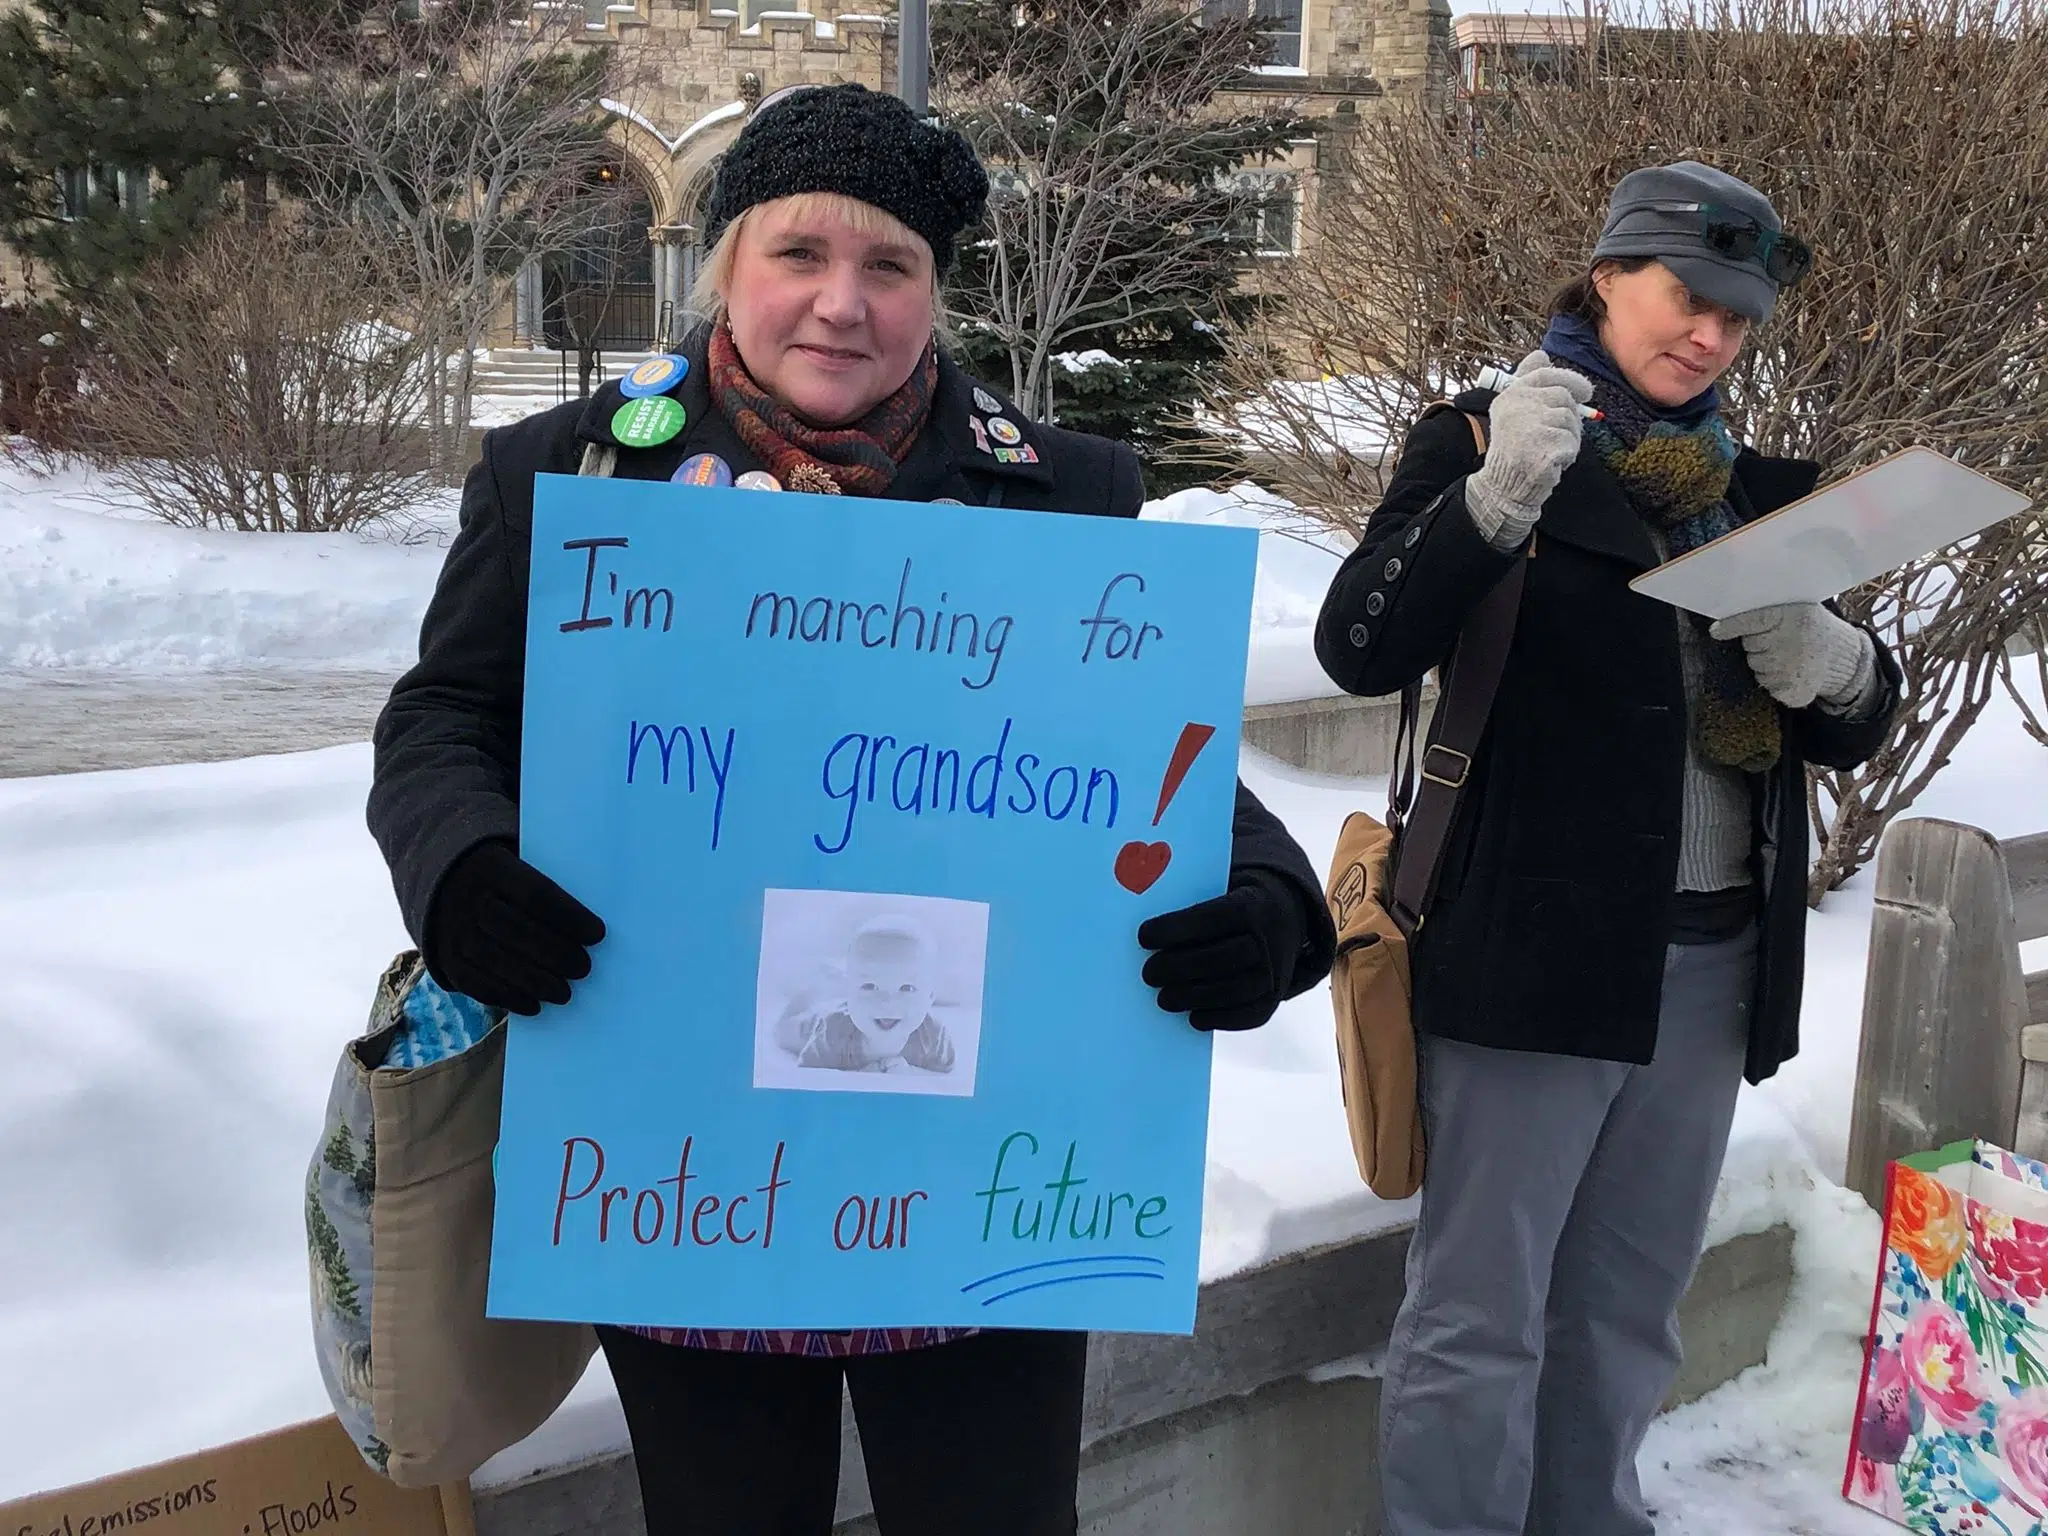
point(1220, 1432)
point(1347, 736)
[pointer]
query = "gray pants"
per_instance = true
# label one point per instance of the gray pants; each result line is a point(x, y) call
point(1562, 1214)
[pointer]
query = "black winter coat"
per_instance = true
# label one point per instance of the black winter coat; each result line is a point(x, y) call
point(1550, 924)
point(447, 744)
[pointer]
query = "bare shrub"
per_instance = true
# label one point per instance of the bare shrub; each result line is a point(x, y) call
point(41, 350)
point(470, 138)
point(258, 382)
point(1900, 137)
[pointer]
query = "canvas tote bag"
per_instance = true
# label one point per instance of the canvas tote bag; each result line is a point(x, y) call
point(399, 1202)
point(1382, 877)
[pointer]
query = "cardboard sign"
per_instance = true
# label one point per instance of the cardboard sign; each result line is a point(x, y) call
point(290, 1483)
point(1853, 531)
point(872, 798)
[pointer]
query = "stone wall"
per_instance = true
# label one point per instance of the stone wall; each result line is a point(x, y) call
point(694, 70)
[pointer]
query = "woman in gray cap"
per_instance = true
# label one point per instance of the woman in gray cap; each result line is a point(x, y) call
point(834, 216)
point(1616, 933)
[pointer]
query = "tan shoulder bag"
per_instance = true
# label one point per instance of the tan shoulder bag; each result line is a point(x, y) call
point(1382, 878)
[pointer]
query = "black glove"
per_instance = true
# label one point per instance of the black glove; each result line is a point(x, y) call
point(1226, 963)
point(500, 931)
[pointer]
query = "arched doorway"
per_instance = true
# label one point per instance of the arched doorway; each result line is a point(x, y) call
point(690, 252)
point(598, 295)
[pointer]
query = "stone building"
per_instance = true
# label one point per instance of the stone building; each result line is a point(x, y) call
point(694, 71)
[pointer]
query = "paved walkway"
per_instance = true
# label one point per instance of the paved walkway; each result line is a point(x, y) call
point(78, 721)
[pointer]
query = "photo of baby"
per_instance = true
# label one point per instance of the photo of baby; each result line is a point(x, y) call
point(863, 992)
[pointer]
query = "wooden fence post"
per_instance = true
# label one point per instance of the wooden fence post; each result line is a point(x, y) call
point(1944, 1003)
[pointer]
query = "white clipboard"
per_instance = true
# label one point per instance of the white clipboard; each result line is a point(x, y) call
point(1854, 531)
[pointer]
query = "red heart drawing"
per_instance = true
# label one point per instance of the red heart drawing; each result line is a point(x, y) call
point(1139, 865)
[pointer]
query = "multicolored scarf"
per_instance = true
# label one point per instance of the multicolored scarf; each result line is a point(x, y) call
point(1675, 465)
point(860, 460)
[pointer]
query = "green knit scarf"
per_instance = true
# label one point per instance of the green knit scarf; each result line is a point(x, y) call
point(1677, 479)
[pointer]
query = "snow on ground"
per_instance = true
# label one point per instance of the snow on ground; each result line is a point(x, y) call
point(1337, 411)
point(87, 579)
point(1763, 1456)
point(1297, 558)
point(208, 935)
point(182, 953)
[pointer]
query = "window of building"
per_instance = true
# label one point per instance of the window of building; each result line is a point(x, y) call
point(1488, 66)
point(79, 185)
point(1269, 217)
point(1283, 20)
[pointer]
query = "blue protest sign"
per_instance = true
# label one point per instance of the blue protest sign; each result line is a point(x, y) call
point(872, 797)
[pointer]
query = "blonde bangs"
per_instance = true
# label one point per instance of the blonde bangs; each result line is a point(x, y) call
point(714, 276)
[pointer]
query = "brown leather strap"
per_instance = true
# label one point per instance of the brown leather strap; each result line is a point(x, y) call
point(1446, 764)
point(1421, 813)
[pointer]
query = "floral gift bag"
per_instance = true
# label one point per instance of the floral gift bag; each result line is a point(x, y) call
point(1952, 1420)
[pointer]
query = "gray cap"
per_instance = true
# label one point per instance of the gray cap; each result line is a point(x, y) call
point(1639, 225)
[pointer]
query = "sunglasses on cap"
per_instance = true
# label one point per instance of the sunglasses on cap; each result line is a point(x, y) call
point(1727, 232)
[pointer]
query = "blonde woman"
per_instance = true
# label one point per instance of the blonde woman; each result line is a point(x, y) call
point(834, 216)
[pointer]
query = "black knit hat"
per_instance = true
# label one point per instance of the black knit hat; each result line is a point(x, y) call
point(860, 144)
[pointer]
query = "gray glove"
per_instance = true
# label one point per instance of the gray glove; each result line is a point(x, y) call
point(1801, 652)
point(1535, 437)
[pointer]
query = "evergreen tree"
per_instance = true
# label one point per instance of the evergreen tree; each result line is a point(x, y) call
point(125, 127)
point(1123, 220)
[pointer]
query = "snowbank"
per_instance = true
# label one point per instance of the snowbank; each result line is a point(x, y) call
point(1340, 411)
point(182, 953)
point(1297, 558)
point(183, 950)
point(88, 579)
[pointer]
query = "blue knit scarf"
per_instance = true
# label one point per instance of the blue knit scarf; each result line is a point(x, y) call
point(1675, 464)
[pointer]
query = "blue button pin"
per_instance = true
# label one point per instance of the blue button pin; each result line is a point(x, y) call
point(657, 375)
point(703, 469)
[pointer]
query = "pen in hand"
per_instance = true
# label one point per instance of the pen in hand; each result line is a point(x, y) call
point(1498, 379)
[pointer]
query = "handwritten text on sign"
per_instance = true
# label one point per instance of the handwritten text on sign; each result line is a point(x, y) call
point(872, 797)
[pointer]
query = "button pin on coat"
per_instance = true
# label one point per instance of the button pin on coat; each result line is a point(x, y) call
point(703, 469)
point(654, 376)
point(647, 422)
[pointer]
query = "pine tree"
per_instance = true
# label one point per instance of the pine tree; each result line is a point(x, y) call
point(1123, 223)
point(125, 128)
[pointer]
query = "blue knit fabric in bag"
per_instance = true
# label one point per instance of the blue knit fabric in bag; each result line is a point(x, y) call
point(437, 1025)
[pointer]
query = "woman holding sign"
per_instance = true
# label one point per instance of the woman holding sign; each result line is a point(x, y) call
point(1616, 933)
point(832, 222)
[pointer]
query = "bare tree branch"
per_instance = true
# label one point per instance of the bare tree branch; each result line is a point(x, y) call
point(255, 382)
point(471, 135)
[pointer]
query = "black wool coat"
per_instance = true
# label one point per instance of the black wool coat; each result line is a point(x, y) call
point(1551, 920)
point(446, 773)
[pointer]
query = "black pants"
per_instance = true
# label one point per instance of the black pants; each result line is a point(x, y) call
point(980, 1437)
